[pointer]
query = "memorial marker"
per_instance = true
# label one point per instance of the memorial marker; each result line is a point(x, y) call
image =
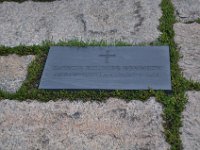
point(108, 68)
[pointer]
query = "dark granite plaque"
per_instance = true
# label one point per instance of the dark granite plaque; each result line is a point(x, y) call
point(110, 68)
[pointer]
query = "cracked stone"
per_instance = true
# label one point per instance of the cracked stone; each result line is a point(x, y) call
point(187, 10)
point(13, 71)
point(133, 21)
point(78, 125)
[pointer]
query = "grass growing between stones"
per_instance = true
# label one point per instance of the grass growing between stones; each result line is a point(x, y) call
point(173, 103)
point(197, 21)
point(192, 85)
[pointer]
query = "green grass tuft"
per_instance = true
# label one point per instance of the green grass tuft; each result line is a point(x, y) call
point(197, 21)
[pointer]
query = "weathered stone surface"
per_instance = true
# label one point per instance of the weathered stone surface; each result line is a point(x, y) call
point(187, 10)
point(191, 122)
point(13, 71)
point(77, 125)
point(30, 23)
point(187, 36)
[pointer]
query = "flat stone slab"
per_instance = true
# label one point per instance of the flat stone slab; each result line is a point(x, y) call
point(187, 10)
point(108, 68)
point(77, 125)
point(191, 122)
point(13, 71)
point(28, 23)
point(187, 36)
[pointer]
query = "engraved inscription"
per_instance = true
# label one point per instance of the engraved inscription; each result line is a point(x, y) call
point(125, 68)
point(107, 71)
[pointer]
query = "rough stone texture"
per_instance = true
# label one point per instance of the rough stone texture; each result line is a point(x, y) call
point(77, 125)
point(187, 36)
point(187, 10)
point(28, 23)
point(191, 122)
point(13, 71)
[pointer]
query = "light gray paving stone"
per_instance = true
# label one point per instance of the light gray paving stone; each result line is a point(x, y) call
point(191, 122)
point(187, 10)
point(13, 71)
point(133, 21)
point(187, 36)
point(76, 125)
